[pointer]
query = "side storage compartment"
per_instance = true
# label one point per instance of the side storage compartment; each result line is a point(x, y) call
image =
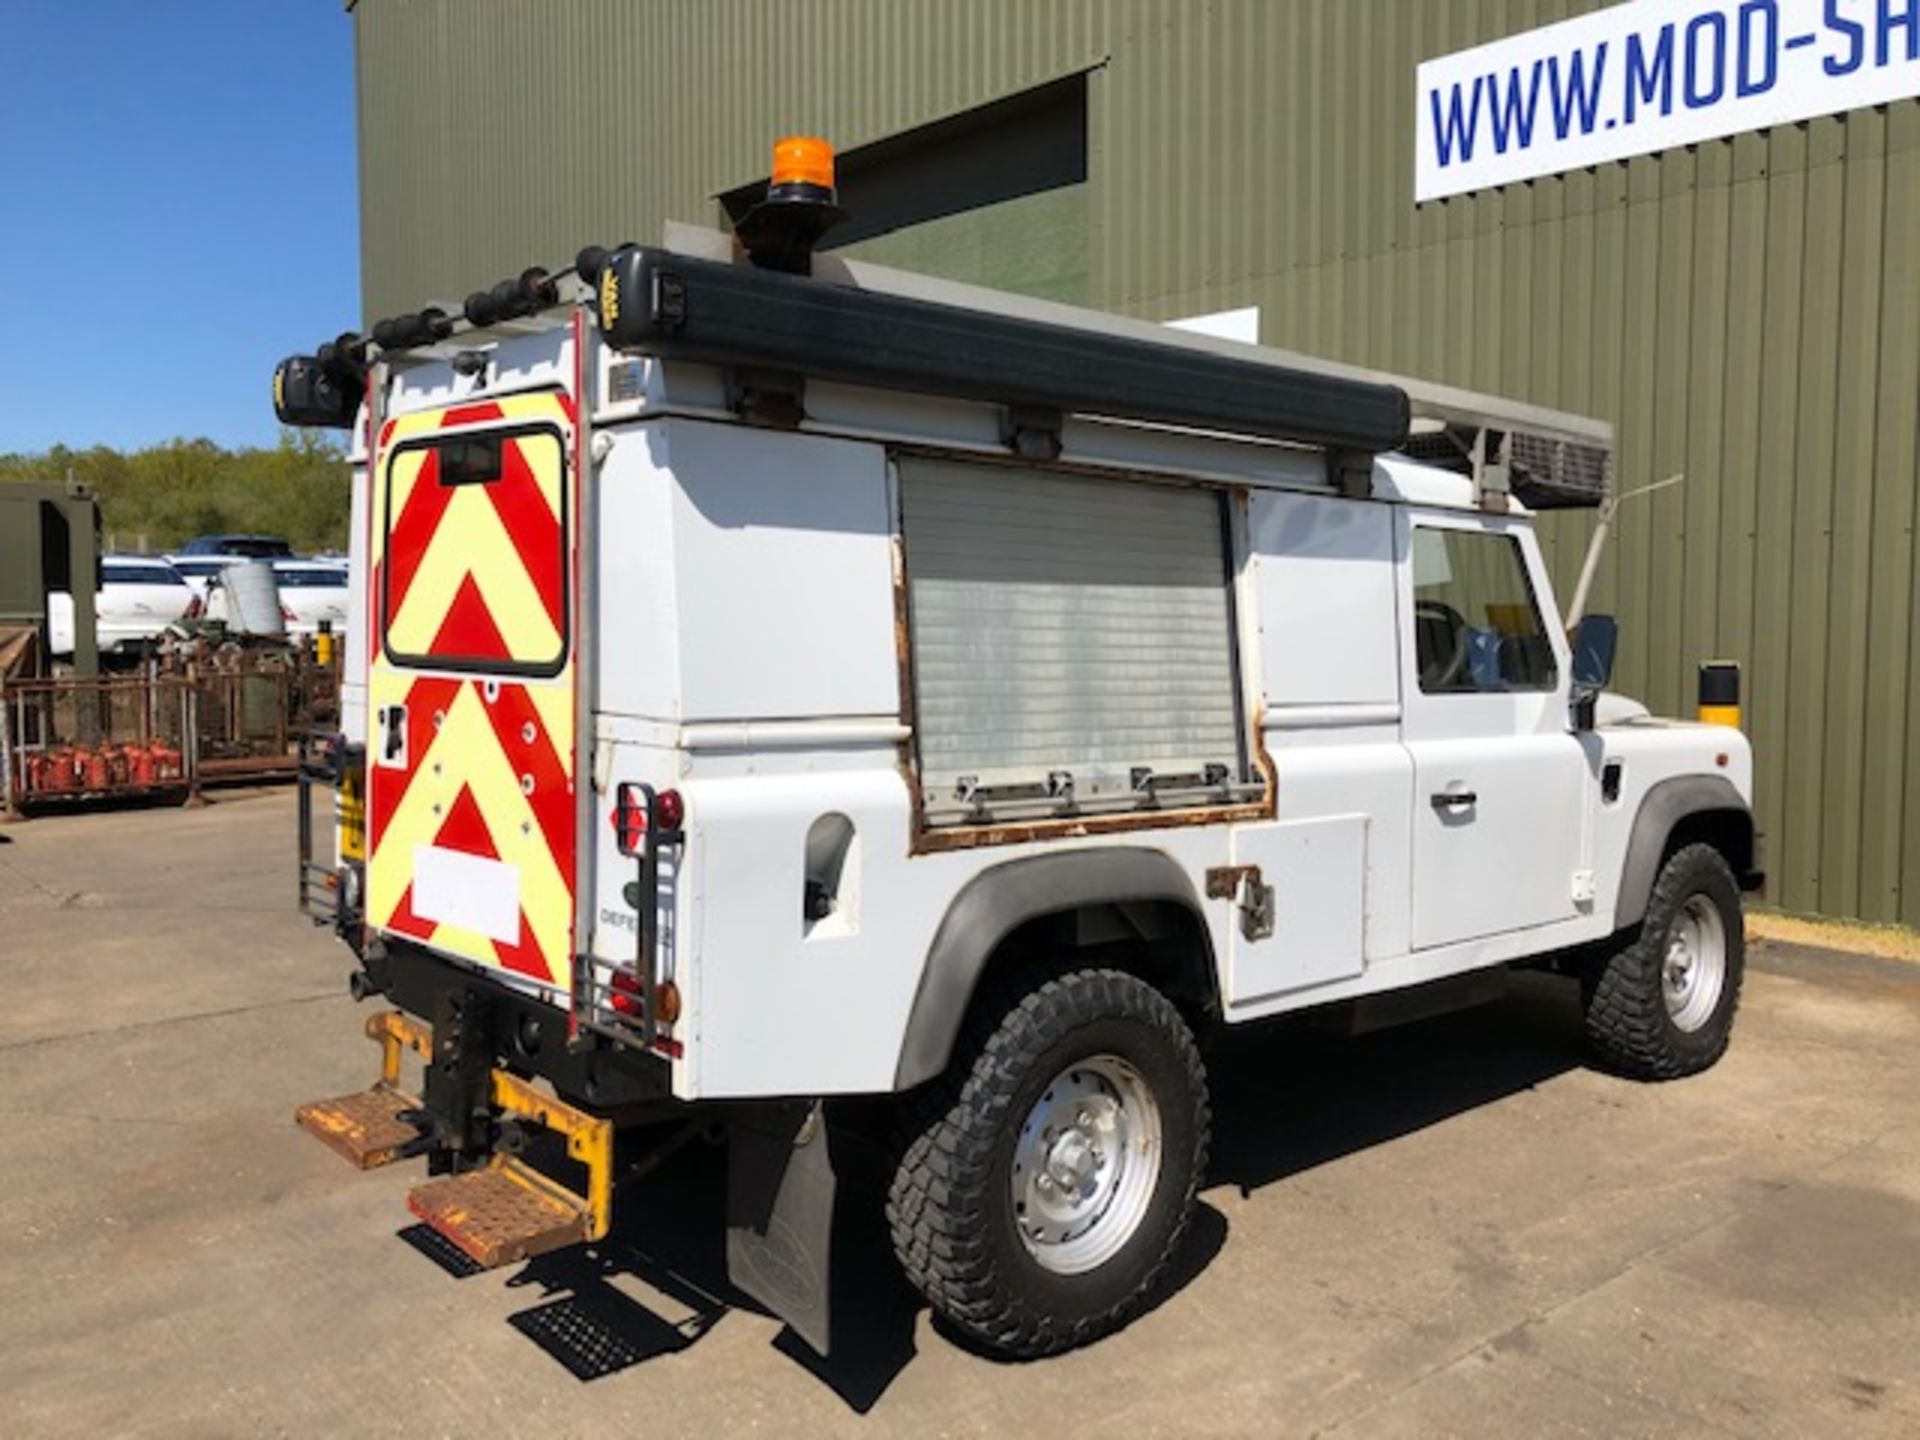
point(1302, 907)
point(1073, 644)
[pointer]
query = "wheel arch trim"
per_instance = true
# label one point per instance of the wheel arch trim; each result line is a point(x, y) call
point(1664, 807)
point(1001, 899)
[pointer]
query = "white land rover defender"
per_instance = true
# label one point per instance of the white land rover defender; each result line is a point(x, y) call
point(774, 679)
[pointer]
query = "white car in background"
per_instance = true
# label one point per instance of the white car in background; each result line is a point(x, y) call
point(312, 591)
point(139, 597)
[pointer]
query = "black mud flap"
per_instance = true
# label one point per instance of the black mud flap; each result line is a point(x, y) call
point(780, 1189)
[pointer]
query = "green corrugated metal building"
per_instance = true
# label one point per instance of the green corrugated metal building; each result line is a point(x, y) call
point(1747, 310)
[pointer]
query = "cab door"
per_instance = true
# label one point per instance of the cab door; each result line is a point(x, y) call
point(1499, 777)
point(471, 684)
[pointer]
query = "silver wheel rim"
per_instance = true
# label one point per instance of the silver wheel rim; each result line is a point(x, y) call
point(1086, 1164)
point(1694, 971)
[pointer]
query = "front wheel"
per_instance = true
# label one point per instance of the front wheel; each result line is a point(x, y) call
point(1663, 1006)
point(1044, 1189)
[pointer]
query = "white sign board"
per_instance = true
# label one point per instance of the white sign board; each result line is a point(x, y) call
point(1649, 75)
point(1242, 325)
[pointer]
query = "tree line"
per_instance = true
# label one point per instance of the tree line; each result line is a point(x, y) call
point(158, 497)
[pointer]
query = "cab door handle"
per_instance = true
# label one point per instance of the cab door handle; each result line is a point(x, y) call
point(1454, 799)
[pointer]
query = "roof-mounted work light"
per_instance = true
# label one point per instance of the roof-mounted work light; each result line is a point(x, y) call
point(801, 205)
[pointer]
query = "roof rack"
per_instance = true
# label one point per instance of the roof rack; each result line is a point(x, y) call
point(1543, 469)
point(697, 298)
point(1546, 458)
point(688, 307)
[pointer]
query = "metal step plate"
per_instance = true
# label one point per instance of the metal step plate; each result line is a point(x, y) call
point(365, 1126)
point(503, 1213)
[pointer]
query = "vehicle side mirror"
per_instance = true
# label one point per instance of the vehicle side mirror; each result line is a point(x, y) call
point(1595, 640)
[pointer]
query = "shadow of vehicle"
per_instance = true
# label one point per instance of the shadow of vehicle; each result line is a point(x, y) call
point(1288, 1096)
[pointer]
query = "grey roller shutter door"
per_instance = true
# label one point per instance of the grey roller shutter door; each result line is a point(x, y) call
point(1065, 625)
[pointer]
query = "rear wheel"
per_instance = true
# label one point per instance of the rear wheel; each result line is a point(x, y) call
point(1663, 1006)
point(1043, 1190)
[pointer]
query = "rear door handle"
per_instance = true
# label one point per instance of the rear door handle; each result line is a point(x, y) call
point(1454, 799)
point(393, 740)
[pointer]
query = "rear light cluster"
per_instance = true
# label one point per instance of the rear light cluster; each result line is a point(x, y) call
point(611, 997)
point(639, 809)
point(624, 997)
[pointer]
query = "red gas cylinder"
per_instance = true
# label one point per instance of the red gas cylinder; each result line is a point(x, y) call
point(166, 763)
point(95, 767)
point(139, 765)
point(120, 764)
point(56, 770)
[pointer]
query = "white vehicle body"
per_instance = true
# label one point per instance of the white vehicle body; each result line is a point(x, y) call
point(765, 686)
point(929, 691)
point(139, 597)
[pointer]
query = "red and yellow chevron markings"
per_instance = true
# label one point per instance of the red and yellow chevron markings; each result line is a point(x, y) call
point(475, 575)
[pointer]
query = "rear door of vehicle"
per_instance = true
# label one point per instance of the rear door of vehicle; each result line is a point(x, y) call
point(471, 683)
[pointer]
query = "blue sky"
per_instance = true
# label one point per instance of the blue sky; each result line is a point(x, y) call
point(177, 211)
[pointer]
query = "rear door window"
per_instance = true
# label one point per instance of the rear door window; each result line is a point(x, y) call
point(474, 575)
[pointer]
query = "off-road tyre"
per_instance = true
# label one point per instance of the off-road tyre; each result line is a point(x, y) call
point(1630, 1028)
point(951, 1207)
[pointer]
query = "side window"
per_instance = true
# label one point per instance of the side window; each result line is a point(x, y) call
point(1476, 625)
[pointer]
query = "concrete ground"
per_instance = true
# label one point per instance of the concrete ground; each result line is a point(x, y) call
point(1451, 1229)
